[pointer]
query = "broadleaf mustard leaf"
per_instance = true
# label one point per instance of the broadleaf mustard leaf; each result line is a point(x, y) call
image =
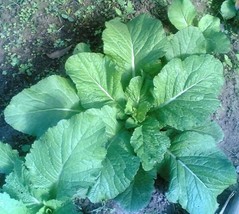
point(118, 171)
point(217, 41)
point(209, 23)
point(181, 13)
point(149, 143)
point(186, 92)
point(11, 206)
point(17, 185)
point(68, 158)
point(96, 79)
point(109, 117)
point(186, 42)
point(135, 44)
point(9, 158)
point(197, 172)
point(210, 128)
point(139, 98)
point(139, 193)
point(46, 103)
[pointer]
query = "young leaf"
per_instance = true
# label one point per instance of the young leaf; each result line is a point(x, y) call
point(109, 118)
point(181, 13)
point(12, 206)
point(228, 9)
point(202, 172)
point(17, 186)
point(139, 193)
point(209, 23)
point(186, 42)
point(9, 158)
point(96, 79)
point(186, 91)
point(149, 143)
point(216, 41)
point(119, 169)
point(46, 103)
point(69, 156)
point(138, 98)
point(129, 44)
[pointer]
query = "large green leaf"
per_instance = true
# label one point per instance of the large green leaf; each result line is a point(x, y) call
point(217, 41)
point(139, 193)
point(197, 172)
point(96, 79)
point(186, 92)
point(149, 143)
point(119, 168)
point(186, 42)
point(68, 158)
point(181, 13)
point(8, 158)
point(11, 206)
point(135, 44)
point(34, 110)
point(138, 98)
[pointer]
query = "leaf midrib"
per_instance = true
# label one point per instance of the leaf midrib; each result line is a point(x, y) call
point(179, 94)
point(46, 110)
point(185, 167)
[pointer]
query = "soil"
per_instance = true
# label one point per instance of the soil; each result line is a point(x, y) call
point(29, 30)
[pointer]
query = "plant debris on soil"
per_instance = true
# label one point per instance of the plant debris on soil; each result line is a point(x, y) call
point(36, 37)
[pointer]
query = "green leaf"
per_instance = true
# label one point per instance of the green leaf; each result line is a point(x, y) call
point(149, 143)
point(96, 79)
point(81, 47)
point(210, 128)
point(109, 118)
point(68, 158)
point(9, 158)
point(228, 9)
point(119, 169)
point(17, 186)
point(209, 23)
point(139, 193)
point(217, 41)
point(138, 98)
point(46, 103)
point(11, 206)
point(129, 44)
point(197, 172)
point(186, 42)
point(186, 92)
point(181, 13)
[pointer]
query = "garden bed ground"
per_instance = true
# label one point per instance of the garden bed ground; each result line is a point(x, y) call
point(30, 31)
